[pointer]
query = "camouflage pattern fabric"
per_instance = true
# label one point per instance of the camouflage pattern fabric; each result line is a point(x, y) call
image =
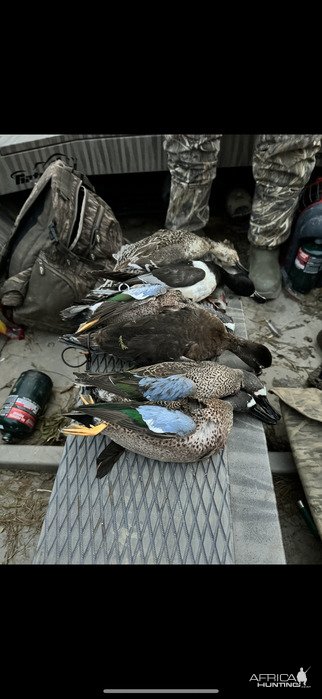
point(307, 401)
point(282, 165)
point(315, 378)
point(305, 437)
point(192, 161)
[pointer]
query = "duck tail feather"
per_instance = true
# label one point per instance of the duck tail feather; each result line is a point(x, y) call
point(78, 341)
point(107, 458)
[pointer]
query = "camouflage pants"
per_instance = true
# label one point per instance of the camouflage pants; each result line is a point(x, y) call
point(282, 165)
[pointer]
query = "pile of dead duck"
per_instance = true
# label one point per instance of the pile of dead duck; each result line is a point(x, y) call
point(175, 403)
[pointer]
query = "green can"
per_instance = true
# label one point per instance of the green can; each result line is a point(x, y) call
point(306, 266)
point(27, 400)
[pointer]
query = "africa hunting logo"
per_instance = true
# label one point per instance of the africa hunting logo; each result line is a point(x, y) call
point(282, 680)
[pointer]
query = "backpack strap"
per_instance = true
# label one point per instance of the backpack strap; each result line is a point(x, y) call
point(85, 180)
point(63, 180)
point(34, 194)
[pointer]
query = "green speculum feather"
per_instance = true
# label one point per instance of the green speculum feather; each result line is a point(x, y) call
point(135, 416)
point(132, 413)
point(130, 389)
point(121, 297)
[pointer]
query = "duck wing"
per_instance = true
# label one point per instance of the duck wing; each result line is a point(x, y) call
point(155, 420)
point(126, 307)
point(100, 309)
point(151, 388)
point(174, 276)
point(120, 383)
point(164, 247)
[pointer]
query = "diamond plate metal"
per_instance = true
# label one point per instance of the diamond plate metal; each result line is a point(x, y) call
point(143, 511)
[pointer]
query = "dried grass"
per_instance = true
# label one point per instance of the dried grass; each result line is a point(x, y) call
point(23, 504)
point(48, 428)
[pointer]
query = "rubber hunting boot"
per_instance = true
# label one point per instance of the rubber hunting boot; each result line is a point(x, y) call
point(264, 271)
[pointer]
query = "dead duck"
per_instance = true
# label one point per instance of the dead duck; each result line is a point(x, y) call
point(124, 308)
point(167, 328)
point(226, 319)
point(169, 381)
point(165, 247)
point(196, 279)
point(183, 431)
point(82, 313)
point(86, 316)
point(132, 304)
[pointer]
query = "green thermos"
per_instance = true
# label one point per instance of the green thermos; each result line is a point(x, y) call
point(27, 400)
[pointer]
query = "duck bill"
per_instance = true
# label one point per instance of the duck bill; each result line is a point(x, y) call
point(264, 411)
point(263, 403)
point(258, 297)
point(241, 267)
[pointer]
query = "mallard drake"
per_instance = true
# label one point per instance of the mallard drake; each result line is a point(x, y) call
point(165, 247)
point(169, 381)
point(166, 328)
point(183, 431)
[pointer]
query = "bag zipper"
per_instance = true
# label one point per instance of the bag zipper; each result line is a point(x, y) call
point(76, 213)
point(94, 237)
point(44, 264)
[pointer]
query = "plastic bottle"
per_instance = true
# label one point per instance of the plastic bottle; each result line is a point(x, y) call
point(306, 266)
point(26, 401)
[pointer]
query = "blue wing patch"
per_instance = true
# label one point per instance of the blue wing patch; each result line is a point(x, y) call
point(162, 420)
point(166, 388)
point(144, 291)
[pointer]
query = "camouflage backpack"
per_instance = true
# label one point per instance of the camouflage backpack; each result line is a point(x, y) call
point(63, 232)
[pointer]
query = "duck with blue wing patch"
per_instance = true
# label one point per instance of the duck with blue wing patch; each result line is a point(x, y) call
point(196, 279)
point(170, 381)
point(186, 421)
point(184, 431)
